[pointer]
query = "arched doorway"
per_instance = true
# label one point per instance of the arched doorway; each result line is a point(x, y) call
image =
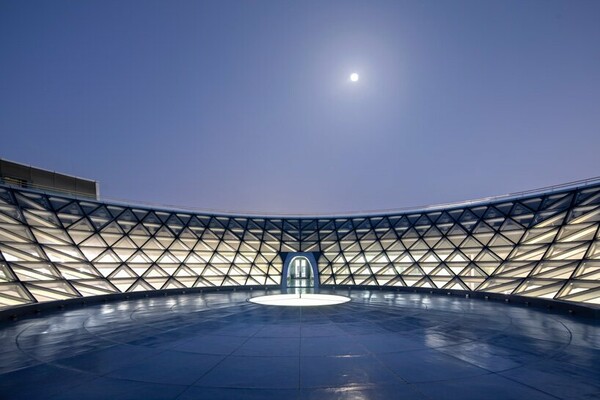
point(299, 273)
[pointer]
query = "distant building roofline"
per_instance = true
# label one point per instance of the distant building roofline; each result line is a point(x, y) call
point(28, 176)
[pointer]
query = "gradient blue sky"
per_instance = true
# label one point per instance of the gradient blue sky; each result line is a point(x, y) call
point(247, 105)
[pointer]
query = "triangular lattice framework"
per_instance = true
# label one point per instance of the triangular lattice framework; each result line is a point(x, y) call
point(53, 247)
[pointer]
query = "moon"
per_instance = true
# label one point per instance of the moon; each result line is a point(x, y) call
point(354, 77)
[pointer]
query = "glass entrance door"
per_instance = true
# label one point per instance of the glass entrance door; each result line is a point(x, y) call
point(300, 273)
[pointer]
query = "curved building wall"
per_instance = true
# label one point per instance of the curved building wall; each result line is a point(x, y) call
point(54, 247)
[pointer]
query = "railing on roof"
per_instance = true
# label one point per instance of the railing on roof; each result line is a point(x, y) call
point(23, 184)
point(232, 213)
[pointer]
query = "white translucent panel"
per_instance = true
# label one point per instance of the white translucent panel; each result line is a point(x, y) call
point(218, 259)
point(157, 282)
point(457, 267)
point(178, 245)
point(108, 257)
point(173, 283)
point(188, 282)
point(554, 270)
point(214, 280)
point(21, 252)
point(152, 244)
point(123, 254)
point(13, 294)
point(500, 285)
point(501, 252)
point(457, 257)
point(594, 251)
point(555, 220)
point(221, 269)
point(83, 225)
point(168, 258)
point(91, 252)
point(443, 271)
point(456, 284)
point(194, 258)
point(429, 258)
point(5, 273)
point(515, 269)
point(122, 284)
point(77, 271)
point(200, 257)
point(424, 283)
point(16, 233)
point(123, 272)
point(539, 236)
point(579, 232)
point(585, 292)
point(471, 282)
point(44, 219)
point(140, 269)
point(588, 270)
point(524, 253)
point(591, 214)
point(440, 282)
point(428, 268)
point(35, 272)
point(138, 240)
point(539, 288)
point(499, 240)
point(567, 251)
point(417, 255)
point(93, 287)
point(140, 286)
point(49, 291)
point(140, 257)
point(442, 255)
point(63, 253)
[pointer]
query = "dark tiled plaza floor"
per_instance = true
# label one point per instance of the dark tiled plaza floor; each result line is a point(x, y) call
point(382, 345)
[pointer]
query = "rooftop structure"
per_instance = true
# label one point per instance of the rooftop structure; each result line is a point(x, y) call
point(26, 176)
point(543, 245)
point(271, 307)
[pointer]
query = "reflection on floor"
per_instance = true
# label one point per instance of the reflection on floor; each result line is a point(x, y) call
point(379, 346)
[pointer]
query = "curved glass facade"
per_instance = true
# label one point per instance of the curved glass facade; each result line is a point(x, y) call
point(55, 247)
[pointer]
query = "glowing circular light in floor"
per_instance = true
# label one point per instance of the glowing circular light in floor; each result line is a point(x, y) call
point(299, 300)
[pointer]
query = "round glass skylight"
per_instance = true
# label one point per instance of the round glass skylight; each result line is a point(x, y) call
point(299, 300)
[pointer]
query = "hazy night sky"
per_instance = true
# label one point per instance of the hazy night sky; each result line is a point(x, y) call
point(248, 105)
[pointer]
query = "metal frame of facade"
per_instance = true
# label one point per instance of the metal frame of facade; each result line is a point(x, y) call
point(56, 247)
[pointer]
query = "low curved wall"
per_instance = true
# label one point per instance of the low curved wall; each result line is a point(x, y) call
point(545, 245)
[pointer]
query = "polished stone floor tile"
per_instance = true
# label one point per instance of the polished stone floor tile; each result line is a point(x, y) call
point(117, 389)
point(382, 345)
point(280, 330)
point(40, 381)
point(560, 379)
point(343, 371)
point(429, 366)
point(392, 342)
point(487, 356)
point(331, 346)
point(172, 367)
point(489, 387)
point(270, 346)
point(210, 344)
point(254, 372)
point(207, 393)
point(378, 392)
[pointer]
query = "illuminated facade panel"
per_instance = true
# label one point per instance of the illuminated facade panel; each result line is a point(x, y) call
point(55, 247)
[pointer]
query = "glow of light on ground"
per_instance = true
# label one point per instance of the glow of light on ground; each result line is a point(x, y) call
point(297, 300)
